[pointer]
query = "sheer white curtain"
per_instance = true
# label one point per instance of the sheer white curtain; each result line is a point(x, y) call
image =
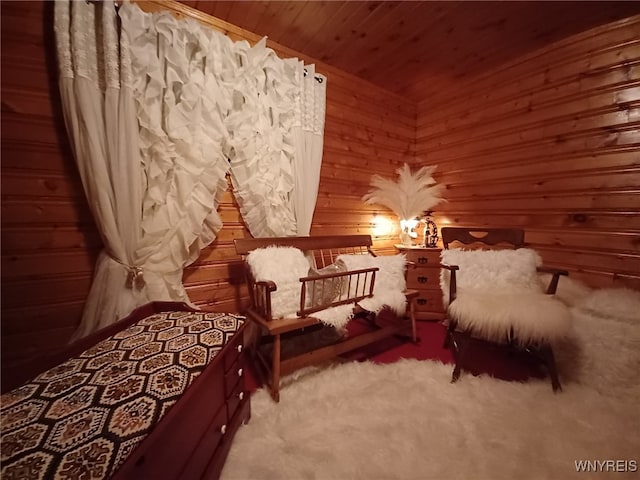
point(99, 112)
point(260, 127)
point(184, 77)
point(277, 130)
point(308, 135)
point(153, 115)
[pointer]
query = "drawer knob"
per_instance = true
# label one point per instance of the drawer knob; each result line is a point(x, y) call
point(423, 260)
point(422, 301)
point(422, 279)
point(239, 372)
point(239, 348)
point(223, 429)
point(241, 395)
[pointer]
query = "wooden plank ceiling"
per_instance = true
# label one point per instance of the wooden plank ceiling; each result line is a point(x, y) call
point(416, 48)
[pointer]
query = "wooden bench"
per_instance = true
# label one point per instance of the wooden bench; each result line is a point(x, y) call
point(322, 252)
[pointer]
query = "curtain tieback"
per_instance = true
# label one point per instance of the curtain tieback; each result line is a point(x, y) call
point(135, 275)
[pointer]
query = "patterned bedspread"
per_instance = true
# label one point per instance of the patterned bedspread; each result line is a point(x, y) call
point(82, 418)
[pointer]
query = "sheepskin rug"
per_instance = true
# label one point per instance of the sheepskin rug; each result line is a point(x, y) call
point(407, 421)
point(284, 266)
point(390, 280)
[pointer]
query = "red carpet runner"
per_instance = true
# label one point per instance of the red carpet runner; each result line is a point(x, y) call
point(483, 358)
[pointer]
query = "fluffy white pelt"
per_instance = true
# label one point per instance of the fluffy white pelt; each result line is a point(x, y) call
point(570, 291)
point(501, 270)
point(622, 303)
point(390, 280)
point(603, 353)
point(499, 290)
point(533, 316)
point(363, 421)
point(284, 266)
point(337, 317)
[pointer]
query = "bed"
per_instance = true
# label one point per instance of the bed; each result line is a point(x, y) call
point(160, 394)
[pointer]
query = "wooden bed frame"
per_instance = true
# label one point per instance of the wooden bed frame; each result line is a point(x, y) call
point(323, 251)
point(193, 438)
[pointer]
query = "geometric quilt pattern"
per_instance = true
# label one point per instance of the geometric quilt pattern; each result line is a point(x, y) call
point(82, 418)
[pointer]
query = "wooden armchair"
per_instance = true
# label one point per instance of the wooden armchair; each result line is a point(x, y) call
point(359, 283)
point(493, 293)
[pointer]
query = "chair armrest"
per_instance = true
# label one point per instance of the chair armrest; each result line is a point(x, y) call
point(453, 268)
point(269, 285)
point(452, 280)
point(555, 272)
point(262, 297)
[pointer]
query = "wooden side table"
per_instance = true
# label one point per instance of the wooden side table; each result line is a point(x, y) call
point(425, 277)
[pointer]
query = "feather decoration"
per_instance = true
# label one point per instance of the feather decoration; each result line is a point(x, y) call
point(412, 194)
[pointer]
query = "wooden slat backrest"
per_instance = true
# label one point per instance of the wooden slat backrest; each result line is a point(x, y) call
point(324, 257)
point(306, 244)
point(485, 236)
point(321, 250)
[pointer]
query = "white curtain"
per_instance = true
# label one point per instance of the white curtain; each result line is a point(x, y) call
point(276, 129)
point(308, 135)
point(99, 112)
point(262, 151)
point(156, 119)
point(184, 75)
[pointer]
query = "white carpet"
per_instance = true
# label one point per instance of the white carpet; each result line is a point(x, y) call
point(406, 421)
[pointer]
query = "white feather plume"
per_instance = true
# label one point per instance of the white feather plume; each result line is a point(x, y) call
point(412, 194)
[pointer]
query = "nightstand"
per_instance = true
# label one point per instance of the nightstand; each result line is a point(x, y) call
point(424, 276)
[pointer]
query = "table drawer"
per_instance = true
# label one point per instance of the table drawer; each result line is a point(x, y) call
point(233, 376)
point(233, 350)
point(238, 394)
point(218, 459)
point(424, 256)
point(423, 278)
point(429, 301)
point(207, 444)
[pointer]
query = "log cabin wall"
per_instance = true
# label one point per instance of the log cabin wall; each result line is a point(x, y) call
point(550, 143)
point(49, 240)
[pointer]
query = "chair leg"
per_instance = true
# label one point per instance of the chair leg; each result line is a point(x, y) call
point(449, 334)
point(460, 343)
point(546, 352)
point(275, 369)
point(412, 316)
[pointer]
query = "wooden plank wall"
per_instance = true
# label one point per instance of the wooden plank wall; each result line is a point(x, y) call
point(49, 240)
point(551, 143)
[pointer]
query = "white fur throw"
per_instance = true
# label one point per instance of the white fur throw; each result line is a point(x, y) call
point(620, 303)
point(337, 317)
point(534, 317)
point(570, 291)
point(284, 266)
point(390, 281)
point(492, 269)
point(498, 290)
